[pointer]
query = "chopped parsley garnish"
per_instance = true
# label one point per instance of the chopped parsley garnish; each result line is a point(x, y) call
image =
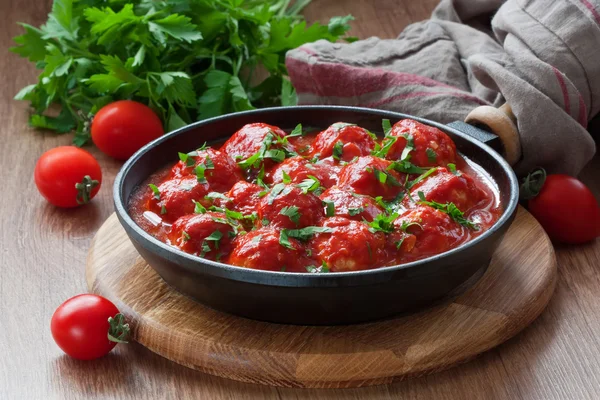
point(452, 168)
point(323, 269)
point(301, 234)
point(341, 125)
point(387, 126)
point(205, 249)
point(338, 150)
point(383, 222)
point(186, 236)
point(186, 159)
point(431, 155)
point(329, 208)
point(399, 243)
point(265, 222)
point(285, 177)
point(382, 151)
point(215, 237)
point(163, 210)
point(198, 208)
point(296, 132)
point(216, 195)
point(201, 168)
point(450, 209)
point(276, 190)
point(410, 146)
point(420, 178)
point(405, 225)
point(155, 191)
point(292, 213)
point(263, 153)
point(312, 184)
point(355, 211)
point(385, 177)
point(406, 167)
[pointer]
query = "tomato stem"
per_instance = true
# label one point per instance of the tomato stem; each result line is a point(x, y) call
point(84, 189)
point(533, 183)
point(118, 330)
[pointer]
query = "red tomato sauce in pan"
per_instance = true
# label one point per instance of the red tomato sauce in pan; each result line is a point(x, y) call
point(333, 201)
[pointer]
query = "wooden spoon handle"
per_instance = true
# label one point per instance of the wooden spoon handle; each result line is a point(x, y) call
point(503, 123)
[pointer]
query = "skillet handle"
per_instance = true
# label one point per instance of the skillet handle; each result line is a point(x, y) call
point(496, 127)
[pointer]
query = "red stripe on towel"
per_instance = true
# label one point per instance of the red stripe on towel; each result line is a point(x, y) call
point(592, 9)
point(563, 88)
point(340, 80)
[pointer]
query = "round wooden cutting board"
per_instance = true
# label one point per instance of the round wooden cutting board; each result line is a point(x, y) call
point(511, 294)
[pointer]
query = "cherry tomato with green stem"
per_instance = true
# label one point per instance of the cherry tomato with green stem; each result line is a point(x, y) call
point(88, 326)
point(563, 205)
point(121, 128)
point(68, 176)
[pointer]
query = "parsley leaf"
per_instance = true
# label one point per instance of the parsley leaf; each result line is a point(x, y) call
point(383, 222)
point(338, 150)
point(155, 190)
point(285, 177)
point(323, 269)
point(311, 184)
point(431, 155)
point(329, 208)
point(355, 211)
point(183, 58)
point(421, 178)
point(215, 237)
point(198, 208)
point(301, 234)
point(450, 209)
point(292, 213)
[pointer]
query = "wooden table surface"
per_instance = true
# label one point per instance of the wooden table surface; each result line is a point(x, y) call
point(44, 250)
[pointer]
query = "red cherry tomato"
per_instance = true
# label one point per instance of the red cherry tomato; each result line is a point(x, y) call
point(564, 206)
point(68, 176)
point(121, 128)
point(88, 326)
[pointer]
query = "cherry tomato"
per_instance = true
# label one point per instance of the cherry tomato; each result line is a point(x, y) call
point(68, 176)
point(88, 326)
point(121, 128)
point(563, 205)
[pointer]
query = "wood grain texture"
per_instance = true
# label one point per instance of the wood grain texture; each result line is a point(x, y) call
point(184, 331)
point(43, 252)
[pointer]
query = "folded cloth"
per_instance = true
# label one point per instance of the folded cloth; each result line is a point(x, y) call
point(541, 57)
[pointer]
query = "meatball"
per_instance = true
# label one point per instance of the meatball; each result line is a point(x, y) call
point(368, 176)
point(432, 147)
point(350, 246)
point(218, 169)
point(260, 249)
point(204, 235)
point(287, 206)
point(299, 168)
point(175, 197)
point(351, 206)
point(444, 187)
point(434, 230)
point(355, 141)
point(244, 198)
point(249, 139)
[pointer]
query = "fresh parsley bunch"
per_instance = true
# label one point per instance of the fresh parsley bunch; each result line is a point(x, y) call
point(187, 59)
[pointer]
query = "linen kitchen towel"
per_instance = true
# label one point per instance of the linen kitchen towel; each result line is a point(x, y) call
point(541, 57)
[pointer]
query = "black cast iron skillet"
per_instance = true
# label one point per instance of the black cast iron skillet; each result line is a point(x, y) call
point(304, 298)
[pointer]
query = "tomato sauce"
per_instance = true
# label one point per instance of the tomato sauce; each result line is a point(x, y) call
point(333, 201)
